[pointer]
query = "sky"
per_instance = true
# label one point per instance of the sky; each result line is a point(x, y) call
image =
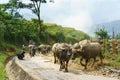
point(79, 14)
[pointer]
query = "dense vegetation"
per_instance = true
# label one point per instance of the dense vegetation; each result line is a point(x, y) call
point(20, 31)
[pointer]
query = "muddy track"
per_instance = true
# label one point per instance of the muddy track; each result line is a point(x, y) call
point(41, 68)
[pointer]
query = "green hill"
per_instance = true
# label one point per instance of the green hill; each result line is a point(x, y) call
point(70, 34)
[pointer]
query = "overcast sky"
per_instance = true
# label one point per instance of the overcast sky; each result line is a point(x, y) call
point(80, 14)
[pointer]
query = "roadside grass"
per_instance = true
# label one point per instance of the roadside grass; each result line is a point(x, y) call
point(3, 60)
point(5, 56)
point(2, 66)
point(114, 61)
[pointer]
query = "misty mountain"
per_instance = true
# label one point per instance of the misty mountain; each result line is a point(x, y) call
point(109, 26)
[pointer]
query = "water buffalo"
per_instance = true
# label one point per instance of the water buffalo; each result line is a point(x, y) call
point(63, 52)
point(32, 50)
point(44, 48)
point(87, 51)
point(84, 43)
point(76, 50)
point(48, 48)
point(77, 47)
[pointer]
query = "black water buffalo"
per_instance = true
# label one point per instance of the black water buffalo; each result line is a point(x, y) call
point(87, 51)
point(63, 52)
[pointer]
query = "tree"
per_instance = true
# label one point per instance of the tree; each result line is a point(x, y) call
point(2, 31)
point(13, 7)
point(102, 33)
point(35, 7)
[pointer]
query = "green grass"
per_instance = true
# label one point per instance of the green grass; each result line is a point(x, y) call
point(69, 33)
point(116, 62)
point(3, 59)
point(113, 60)
point(2, 66)
point(4, 56)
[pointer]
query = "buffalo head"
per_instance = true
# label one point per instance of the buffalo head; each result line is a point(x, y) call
point(76, 53)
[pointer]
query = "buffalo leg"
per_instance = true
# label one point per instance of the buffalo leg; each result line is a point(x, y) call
point(93, 62)
point(60, 69)
point(81, 62)
point(66, 66)
point(86, 62)
point(34, 51)
point(101, 57)
point(39, 51)
point(101, 60)
point(54, 58)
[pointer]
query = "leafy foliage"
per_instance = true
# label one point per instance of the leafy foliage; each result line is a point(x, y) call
point(2, 70)
point(35, 6)
point(13, 7)
point(102, 33)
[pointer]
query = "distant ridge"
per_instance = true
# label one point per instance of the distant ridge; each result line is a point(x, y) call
point(109, 26)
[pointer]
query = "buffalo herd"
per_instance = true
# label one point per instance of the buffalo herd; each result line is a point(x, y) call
point(63, 52)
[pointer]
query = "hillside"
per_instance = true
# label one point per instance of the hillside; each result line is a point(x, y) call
point(70, 34)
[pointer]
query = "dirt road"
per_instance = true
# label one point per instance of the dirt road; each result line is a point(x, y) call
point(50, 71)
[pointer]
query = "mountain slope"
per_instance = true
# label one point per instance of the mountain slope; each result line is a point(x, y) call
point(112, 26)
point(69, 33)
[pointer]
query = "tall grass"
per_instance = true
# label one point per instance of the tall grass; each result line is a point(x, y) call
point(2, 66)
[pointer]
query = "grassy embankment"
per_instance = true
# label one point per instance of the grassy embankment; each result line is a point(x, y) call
point(6, 53)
